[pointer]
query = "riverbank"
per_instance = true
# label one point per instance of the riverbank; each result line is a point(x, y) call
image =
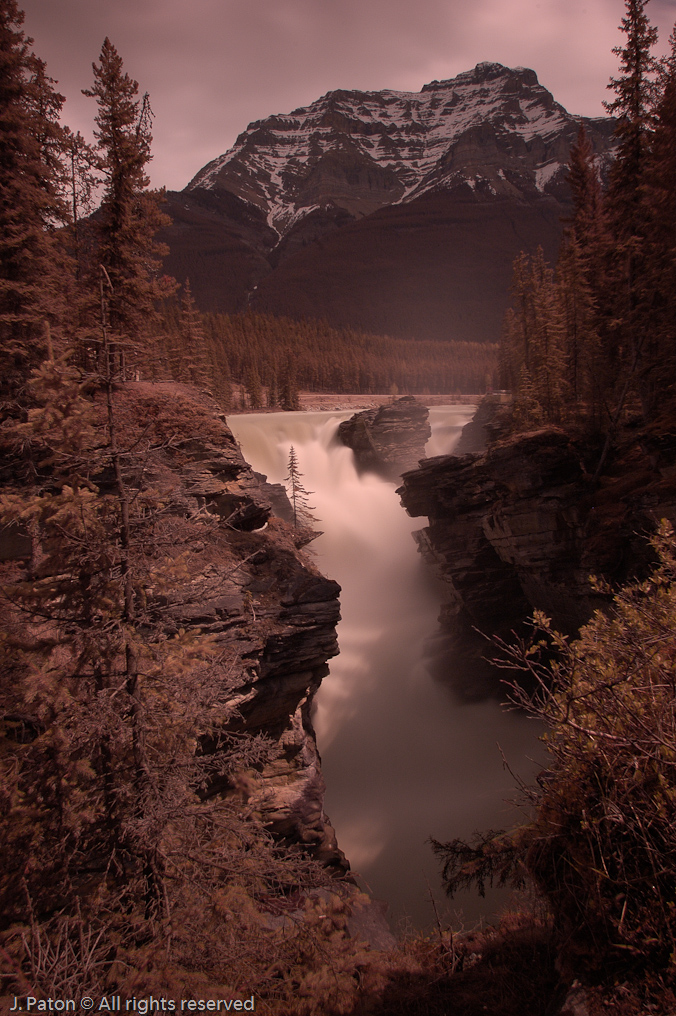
point(343, 402)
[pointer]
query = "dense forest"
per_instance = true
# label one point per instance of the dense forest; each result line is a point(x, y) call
point(134, 861)
point(590, 343)
point(270, 359)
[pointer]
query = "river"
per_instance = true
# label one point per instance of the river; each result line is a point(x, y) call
point(404, 759)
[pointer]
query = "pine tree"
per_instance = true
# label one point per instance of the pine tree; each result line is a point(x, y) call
point(298, 495)
point(130, 214)
point(273, 394)
point(659, 355)
point(253, 388)
point(582, 276)
point(633, 105)
point(626, 328)
point(192, 360)
point(532, 349)
point(30, 206)
point(583, 366)
point(288, 397)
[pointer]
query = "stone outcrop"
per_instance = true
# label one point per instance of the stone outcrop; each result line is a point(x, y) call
point(521, 527)
point(243, 581)
point(485, 425)
point(390, 439)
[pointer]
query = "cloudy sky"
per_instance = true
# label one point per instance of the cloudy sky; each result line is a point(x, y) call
point(212, 66)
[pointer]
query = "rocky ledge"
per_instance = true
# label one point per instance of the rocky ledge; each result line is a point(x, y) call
point(521, 526)
point(275, 615)
point(390, 439)
point(238, 577)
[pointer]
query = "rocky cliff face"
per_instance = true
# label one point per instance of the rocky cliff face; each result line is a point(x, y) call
point(390, 439)
point(412, 204)
point(239, 578)
point(493, 130)
point(520, 527)
point(275, 615)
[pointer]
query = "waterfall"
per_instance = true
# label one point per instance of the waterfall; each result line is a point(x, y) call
point(402, 758)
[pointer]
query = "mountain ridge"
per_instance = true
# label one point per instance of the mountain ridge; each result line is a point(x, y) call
point(286, 201)
point(407, 136)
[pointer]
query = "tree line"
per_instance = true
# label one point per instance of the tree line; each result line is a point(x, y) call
point(591, 341)
point(269, 359)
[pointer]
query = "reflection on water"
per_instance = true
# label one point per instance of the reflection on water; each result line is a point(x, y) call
point(403, 761)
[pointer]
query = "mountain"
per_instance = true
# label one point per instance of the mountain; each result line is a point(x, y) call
point(395, 212)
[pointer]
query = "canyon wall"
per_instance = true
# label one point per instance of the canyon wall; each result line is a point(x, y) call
point(237, 576)
point(521, 526)
point(275, 614)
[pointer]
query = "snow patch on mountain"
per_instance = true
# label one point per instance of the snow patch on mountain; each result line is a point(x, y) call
point(544, 174)
point(362, 150)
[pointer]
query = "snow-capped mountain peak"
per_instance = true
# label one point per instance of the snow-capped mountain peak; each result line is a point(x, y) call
point(494, 131)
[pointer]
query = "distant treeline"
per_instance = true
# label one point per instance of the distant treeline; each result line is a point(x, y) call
point(271, 357)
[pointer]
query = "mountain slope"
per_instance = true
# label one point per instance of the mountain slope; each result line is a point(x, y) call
point(364, 207)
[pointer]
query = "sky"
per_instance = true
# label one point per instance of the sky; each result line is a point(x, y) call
point(213, 66)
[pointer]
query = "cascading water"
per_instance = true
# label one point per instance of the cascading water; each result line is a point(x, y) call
point(402, 758)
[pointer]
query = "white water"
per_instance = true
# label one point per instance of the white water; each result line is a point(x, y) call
point(403, 759)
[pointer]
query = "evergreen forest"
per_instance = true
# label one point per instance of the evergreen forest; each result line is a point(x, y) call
point(255, 360)
point(589, 343)
point(136, 860)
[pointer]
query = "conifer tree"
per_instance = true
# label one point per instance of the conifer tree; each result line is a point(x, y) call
point(192, 361)
point(633, 105)
point(533, 340)
point(130, 213)
point(30, 205)
point(585, 187)
point(625, 318)
point(289, 400)
point(659, 356)
point(273, 394)
point(253, 388)
point(298, 495)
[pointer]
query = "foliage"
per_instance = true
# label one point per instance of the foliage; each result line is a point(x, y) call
point(303, 519)
point(508, 969)
point(121, 861)
point(323, 358)
point(134, 853)
point(602, 846)
point(533, 355)
point(30, 207)
point(130, 214)
point(610, 303)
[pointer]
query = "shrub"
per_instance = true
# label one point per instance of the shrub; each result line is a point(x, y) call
point(602, 846)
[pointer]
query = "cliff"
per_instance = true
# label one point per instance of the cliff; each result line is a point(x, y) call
point(521, 527)
point(238, 577)
point(275, 615)
point(390, 439)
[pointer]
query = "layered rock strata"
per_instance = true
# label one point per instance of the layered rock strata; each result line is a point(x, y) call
point(236, 575)
point(521, 527)
point(276, 617)
point(390, 439)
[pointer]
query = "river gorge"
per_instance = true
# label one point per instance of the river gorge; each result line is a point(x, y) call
point(404, 756)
